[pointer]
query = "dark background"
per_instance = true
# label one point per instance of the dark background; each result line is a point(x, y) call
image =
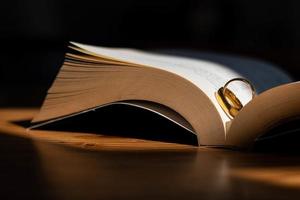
point(34, 34)
point(33, 38)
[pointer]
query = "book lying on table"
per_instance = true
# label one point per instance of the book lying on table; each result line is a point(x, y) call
point(208, 99)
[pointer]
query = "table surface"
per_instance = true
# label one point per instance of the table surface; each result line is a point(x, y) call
point(43, 164)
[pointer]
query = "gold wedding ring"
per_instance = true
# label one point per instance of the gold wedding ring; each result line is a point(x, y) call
point(228, 101)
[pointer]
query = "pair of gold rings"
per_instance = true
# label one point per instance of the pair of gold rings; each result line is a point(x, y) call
point(228, 101)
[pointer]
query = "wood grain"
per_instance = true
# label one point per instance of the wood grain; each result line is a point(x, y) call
point(64, 165)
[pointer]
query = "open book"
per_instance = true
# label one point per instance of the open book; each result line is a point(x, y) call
point(182, 90)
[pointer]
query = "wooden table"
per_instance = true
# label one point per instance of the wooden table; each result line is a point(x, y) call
point(62, 165)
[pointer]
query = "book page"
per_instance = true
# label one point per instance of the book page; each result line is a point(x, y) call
point(207, 76)
point(268, 109)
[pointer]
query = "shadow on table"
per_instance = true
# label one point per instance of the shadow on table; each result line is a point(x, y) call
point(121, 120)
point(20, 171)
